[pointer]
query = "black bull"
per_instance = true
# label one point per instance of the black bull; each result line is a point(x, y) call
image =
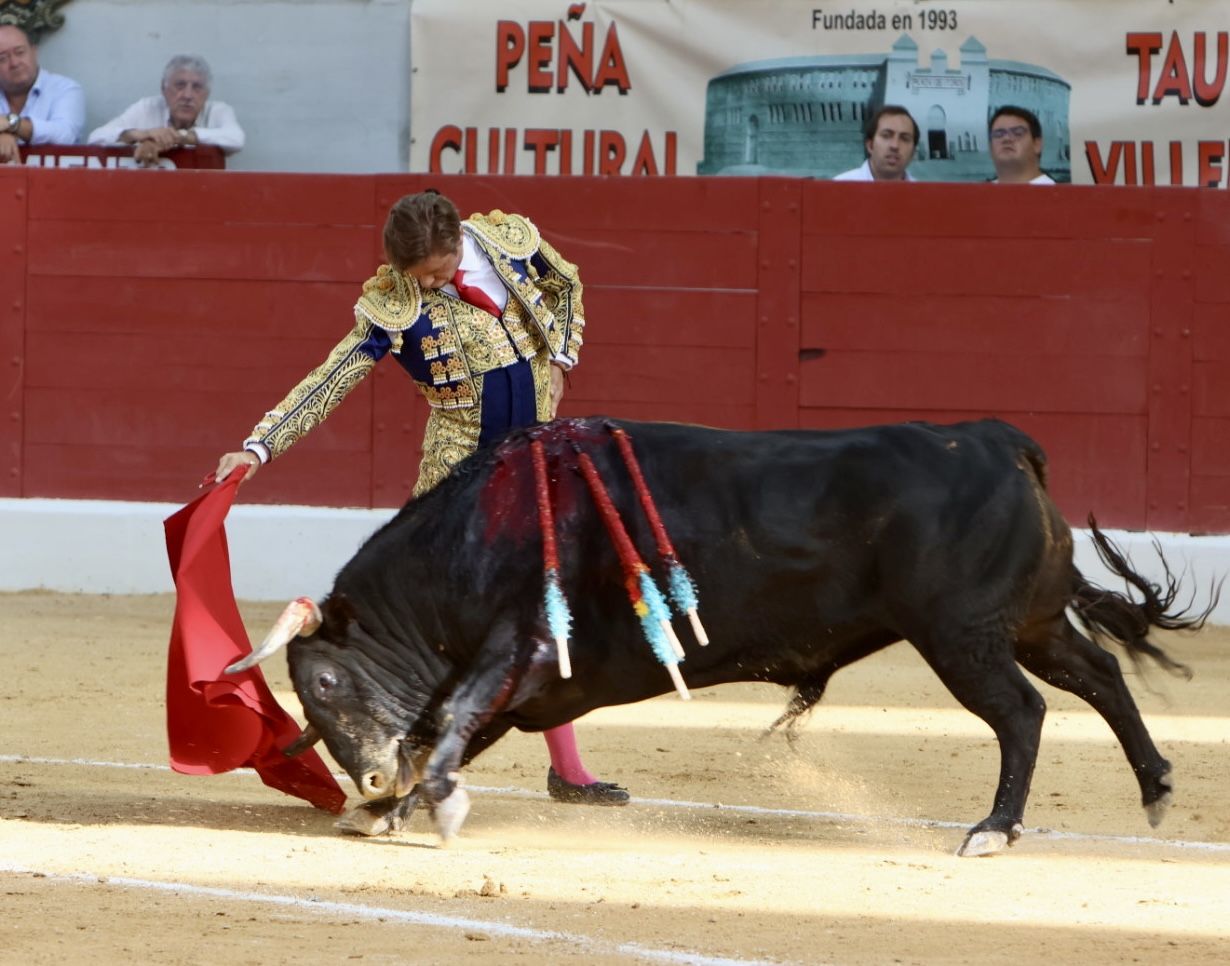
point(809, 550)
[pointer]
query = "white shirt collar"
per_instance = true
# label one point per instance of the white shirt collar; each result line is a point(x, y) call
point(471, 256)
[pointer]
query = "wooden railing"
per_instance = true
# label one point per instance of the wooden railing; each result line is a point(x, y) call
point(82, 156)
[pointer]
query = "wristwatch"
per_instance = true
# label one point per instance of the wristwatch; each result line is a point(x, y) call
point(12, 120)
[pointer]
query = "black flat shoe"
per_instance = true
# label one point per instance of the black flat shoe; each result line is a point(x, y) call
point(598, 793)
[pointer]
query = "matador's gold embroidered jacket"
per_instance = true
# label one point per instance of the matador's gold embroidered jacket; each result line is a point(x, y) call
point(446, 344)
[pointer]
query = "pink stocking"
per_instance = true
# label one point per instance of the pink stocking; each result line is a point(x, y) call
point(565, 759)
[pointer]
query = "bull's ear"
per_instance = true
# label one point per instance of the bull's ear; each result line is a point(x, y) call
point(337, 613)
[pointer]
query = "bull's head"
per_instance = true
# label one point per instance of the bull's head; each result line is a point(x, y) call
point(364, 726)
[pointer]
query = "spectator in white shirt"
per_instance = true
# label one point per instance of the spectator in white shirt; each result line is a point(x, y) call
point(184, 115)
point(36, 106)
point(1016, 147)
point(890, 142)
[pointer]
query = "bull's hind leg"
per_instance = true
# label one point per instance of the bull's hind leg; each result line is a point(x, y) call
point(1066, 659)
point(977, 666)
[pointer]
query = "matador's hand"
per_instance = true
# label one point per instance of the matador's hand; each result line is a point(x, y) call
point(230, 461)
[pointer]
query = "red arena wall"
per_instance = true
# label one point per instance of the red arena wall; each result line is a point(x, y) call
point(149, 318)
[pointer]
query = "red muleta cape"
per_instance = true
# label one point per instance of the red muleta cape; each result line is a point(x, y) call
point(217, 721)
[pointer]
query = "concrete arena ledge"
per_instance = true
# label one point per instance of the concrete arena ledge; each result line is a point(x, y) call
point(281, 552)
point(112, 547)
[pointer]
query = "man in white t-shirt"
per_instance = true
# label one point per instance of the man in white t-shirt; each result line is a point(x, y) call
point(890, 142)
point(1016, 146)
point(183, 115)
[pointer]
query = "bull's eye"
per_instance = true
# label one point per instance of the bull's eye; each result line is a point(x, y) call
point(325, 682)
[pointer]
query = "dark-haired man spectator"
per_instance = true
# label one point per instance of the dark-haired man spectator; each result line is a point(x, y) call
point(36, 106)
point(890, 139)
point(181, 116)
point(1016, 146)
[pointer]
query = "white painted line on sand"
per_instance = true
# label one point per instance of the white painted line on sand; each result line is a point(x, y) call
point(834, 818)
point(494, 928)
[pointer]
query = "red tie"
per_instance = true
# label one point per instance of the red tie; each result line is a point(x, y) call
point(474, 295)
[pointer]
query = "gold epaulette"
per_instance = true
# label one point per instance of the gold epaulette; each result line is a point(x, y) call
point(566, 269)
point(390, 300)
point(512, 235)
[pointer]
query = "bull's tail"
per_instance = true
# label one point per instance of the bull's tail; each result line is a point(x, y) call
point(1117, 616)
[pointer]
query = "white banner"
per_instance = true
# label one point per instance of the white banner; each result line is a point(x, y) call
point(1128, 91)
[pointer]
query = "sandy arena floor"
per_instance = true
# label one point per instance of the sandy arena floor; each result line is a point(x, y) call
point(736, 850)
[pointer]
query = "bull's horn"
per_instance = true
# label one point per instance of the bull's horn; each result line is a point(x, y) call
point(301, 617)
point(301, 744)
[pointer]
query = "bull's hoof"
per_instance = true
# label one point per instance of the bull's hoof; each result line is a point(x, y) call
point(451, 813)
point(988, 841)
point(1156, 810)
point(381, 817)
point(597, 793)
point(363, 821)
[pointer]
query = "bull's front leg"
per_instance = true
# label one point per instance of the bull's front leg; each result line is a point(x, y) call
point(481, 694)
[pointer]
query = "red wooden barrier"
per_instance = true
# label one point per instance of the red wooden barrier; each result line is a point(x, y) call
point(148, 322)
point(13, 194)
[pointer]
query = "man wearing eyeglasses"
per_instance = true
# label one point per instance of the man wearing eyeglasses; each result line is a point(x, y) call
point(1016, 147)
